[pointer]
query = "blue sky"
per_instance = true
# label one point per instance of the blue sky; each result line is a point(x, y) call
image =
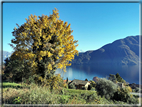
point(93, 24)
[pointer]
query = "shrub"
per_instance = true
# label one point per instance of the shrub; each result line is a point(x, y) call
point(133, 90)
point(93, 84)
point(64, 99)
point(112, 78)
point(17, 100)
point(62, 92)
point(89, 87)
point(106, 88)
point(132, 100)
point(92, 97)
point(137, 89)
point(61, 82)
point(84, 96)
point(122, 94)
point(83, 88)
point(71, 86)
point(39, 95)
point(65, 85)
point(129, 88)
point(93, 89)
point(120, 79)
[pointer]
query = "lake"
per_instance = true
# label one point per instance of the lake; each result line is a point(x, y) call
point(129, 73)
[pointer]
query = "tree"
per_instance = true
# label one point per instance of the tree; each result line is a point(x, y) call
point(119, 79)
point(3, 68)
point(46, 44)
point(86, 79)
point(67, 80)
point(112, 78)
point(15, 70)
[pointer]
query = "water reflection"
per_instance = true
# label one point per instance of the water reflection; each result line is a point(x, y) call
point(129, 73)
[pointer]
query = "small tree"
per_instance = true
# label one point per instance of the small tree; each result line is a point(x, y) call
point(112, 78)
point(67, 80)
point(86, 79)
point(120, 79)
point(15, 70)
point(93, 84)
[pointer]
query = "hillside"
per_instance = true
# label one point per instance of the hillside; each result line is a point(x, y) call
point(120, 52)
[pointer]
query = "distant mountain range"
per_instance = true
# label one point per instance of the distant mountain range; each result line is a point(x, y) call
point(120, 52)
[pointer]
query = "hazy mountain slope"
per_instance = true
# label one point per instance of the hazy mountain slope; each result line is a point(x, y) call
point(120, 52)
point(5, 55)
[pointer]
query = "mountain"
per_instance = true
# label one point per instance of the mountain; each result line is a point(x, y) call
point(81, 51)
point(120, 52)
point(5, 55)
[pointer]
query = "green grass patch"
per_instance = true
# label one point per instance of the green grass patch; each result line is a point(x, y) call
point(13, 85)
point(79, 91)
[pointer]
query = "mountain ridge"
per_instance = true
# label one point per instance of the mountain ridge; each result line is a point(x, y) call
point(120, 52)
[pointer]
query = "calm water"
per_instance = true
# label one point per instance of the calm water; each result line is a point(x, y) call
point(128, 73)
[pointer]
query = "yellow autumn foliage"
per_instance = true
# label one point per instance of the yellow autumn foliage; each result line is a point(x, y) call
point(129, 88)
point(45, 36)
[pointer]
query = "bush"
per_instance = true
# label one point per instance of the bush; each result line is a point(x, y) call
point(62, 92)
point(83, 88)
point(112, 78)
point(133, 90)
point(65, 85)
point(132, 100)
point(84, 96)
point(89, 87)
point(120, 79)
point(129, 88)
point(106, 88)
point(122, 94)
point(64, 99)
point(17, 100)
point(136, 89)
point(93, 84)
point(92, 97)
point(71, 86)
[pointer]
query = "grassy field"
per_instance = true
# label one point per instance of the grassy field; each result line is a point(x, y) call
point(14, 93)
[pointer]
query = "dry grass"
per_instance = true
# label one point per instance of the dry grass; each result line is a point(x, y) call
point(10, 93)
point(42, 95)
